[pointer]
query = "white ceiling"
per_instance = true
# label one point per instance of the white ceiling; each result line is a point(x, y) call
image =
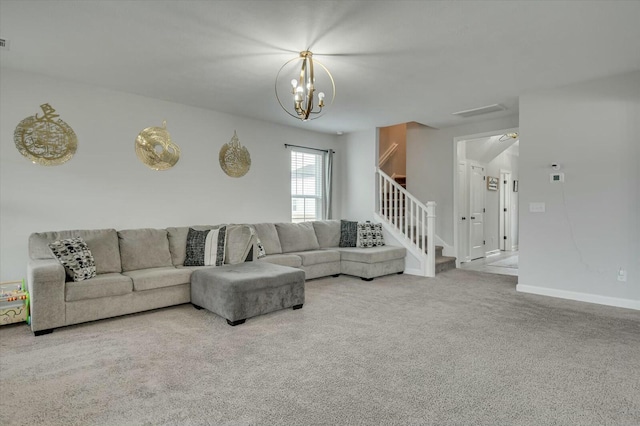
point(393, 61)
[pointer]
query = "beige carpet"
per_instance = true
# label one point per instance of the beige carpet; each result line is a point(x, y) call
point(463, 348)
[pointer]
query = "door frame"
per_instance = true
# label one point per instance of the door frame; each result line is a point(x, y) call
point(460, 224)
point(454, 146)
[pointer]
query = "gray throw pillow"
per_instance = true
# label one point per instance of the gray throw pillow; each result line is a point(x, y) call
point(76, 258)
point(348, 233)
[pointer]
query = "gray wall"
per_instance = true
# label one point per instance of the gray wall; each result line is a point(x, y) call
point(591, 226)
point(358, 174)
point(397, 163)
point(105, 186)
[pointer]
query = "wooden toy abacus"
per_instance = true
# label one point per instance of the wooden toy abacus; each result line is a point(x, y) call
point(14, 302)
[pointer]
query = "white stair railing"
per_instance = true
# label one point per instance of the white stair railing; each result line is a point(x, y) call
point(409, 217)
point(387, 154)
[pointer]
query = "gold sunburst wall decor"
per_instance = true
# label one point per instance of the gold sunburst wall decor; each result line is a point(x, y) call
point(235, 160)
point(45, 140)
point(155, 148)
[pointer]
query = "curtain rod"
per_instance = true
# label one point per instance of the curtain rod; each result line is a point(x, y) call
point(286, 145)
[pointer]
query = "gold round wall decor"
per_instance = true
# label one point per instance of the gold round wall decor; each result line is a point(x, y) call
point(155, 148)
point(235, 160)
point(44, 140)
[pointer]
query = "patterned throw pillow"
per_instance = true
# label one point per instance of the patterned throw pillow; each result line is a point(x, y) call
point(214, 247)
point(348, 233)
point(205, 248)
point(76, 258)
point(195, 247)
point(370, 235)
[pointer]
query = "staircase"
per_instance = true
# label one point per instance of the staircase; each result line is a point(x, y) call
point(412, 223)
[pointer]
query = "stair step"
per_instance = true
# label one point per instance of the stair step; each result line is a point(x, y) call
point(445, 263)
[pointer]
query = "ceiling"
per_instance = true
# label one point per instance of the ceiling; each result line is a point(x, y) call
point(393, 61)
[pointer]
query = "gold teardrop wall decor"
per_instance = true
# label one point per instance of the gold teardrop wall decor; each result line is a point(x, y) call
point(44, 140)
point(235, 160)
point(155, 148)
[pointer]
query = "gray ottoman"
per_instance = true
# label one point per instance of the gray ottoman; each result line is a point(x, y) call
point(238, 292)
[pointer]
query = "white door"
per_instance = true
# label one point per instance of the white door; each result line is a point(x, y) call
point(505, 213)
point(463, 212)
point(476, 211)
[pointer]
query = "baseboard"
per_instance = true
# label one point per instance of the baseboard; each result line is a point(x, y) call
point(414, 271)
point(491, 252)
point(581, 297)
point(514, 248)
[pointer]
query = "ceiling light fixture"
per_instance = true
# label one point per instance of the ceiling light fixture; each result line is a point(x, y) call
point(506, 136)
point(301, 86)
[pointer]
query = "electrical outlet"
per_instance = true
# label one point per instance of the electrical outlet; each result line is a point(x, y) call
point(622, 275)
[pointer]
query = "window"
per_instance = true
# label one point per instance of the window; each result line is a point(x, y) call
point(306, 186)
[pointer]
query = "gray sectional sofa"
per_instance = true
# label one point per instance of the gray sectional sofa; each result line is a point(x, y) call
point(143, 269)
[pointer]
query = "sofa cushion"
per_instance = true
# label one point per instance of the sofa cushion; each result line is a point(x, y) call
point(178, 241)
point(103, 285)
point(314, 257)
point(148, 279)
point(103, 244)
point(372, 255)
point(144, 249)
point(269, 237)
point(297, 237)
point(240, 240)
point(327, 232)
point(348, 233)
point(283, 259)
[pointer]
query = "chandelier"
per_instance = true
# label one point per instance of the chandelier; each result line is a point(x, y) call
point(508, 136)
point(302, 84)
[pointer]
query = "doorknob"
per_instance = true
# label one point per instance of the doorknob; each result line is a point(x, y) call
point(473, 217)
point(464, 218)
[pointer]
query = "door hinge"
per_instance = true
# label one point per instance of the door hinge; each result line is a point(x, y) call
point(484, 210)
point(505, 237)
point(504, 181)
point(484, 243)
point(484, 178)
point(505, 209)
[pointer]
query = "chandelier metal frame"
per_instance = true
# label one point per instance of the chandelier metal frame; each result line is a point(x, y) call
point(303, 89)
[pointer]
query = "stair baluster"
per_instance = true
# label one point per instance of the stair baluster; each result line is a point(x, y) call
point(409, 217)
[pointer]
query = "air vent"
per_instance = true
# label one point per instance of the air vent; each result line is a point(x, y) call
point(4, 44)
point(478, 111)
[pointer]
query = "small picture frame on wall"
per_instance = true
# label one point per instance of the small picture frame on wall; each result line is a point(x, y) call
point(492, 183)
point(515, 186)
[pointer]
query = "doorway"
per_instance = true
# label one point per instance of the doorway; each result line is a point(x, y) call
point(486, 222)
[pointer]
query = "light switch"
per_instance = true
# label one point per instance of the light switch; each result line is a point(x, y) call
point(537, 207)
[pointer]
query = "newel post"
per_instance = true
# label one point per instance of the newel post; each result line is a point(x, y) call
point(431, 239)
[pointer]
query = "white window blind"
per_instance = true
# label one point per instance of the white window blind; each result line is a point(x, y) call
point(306, 186)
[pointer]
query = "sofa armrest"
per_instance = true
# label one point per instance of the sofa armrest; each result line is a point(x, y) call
point(45, 280)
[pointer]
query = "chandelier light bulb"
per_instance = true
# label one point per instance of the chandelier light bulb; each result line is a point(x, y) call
point(294, 83)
